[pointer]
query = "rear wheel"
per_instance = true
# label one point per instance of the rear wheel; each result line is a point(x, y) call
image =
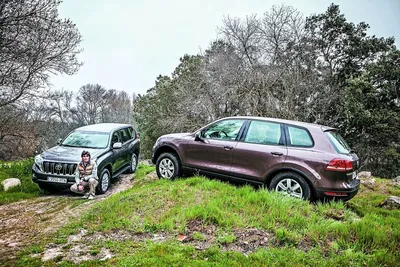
point(291, 184)
point(134, 162)
point(168, 166)
point(104, 181)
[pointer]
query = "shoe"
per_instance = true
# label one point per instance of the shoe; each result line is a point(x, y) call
point(91, 196)
point(86, 196)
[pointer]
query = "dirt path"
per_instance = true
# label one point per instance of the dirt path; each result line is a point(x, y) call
point(23, 223)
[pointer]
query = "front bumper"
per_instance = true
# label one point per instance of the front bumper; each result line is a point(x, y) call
point(48, 178)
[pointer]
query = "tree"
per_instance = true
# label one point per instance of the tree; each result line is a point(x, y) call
point(34, 43)
point(340, 50)
point(153, 112)
point(372, 109)
point(89, 103)
point(117, 107)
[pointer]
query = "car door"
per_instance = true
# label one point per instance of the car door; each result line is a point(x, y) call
point(261, 150)
point(213, 152)
point(117, 157)
point(126, 139)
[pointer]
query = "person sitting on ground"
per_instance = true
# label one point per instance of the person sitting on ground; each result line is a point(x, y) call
point(85, 177)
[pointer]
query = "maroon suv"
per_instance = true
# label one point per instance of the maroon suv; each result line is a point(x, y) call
point(303, 160)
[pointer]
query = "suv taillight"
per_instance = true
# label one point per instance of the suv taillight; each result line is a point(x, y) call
point(340, 165)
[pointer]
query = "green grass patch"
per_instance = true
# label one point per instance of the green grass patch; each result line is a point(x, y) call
point(23, 171)
point(217, 214)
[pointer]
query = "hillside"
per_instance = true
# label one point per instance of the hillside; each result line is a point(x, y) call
point(198, 221)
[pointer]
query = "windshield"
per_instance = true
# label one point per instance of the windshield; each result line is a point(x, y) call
point(86, 139)
point(338, 142)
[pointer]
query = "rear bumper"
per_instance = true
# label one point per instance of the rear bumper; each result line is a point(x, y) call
point(344, 194)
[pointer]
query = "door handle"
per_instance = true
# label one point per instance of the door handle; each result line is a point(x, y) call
point(228, 147)
point(277, 153)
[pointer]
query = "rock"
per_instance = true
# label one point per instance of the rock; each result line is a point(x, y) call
point(146, 162)
point(10, 183)
point(364, 175)
point(369, 182)
point(51, 254)
point(396, 181)
point(182, 237)
point(391, 203)
point(152, 176)
point(14, 244)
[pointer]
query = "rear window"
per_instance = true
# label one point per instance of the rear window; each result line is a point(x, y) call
point(338, 142)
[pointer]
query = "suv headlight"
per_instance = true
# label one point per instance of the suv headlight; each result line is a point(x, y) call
point(39, 162)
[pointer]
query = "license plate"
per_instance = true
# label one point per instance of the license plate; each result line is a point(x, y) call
point(57, 180)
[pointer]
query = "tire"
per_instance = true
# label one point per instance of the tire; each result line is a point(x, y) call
point(133, 164)
point(168, 166)
point(298, 187)
point(49, 188)
point(104, 181)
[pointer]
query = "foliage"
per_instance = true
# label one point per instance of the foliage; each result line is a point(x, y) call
point(34, 43)
point(321, 69)
point(372, 109)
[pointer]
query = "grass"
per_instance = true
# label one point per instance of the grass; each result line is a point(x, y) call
point(356, 233)
point(23, 171)
point(214, 215)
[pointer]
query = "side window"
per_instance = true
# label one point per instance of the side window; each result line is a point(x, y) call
point(115, 138)
point(224, 130)
point(125, 135)
point(299, 137)
point(263, 132)
point(132, 133)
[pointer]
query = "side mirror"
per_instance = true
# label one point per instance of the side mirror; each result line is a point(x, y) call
point(117, 145)
point(59, 141)
point(197, 137)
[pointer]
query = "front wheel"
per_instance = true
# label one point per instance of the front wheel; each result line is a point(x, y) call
point(291, 184)
point(104, 181)
point(168, 166)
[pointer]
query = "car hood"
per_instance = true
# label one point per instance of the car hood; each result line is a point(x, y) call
point(182, 137)
point(68, 154)
point(177, 135)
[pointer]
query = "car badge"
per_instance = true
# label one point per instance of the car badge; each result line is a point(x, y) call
point(58, 167)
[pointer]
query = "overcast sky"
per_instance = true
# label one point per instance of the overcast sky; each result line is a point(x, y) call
point(128, 43)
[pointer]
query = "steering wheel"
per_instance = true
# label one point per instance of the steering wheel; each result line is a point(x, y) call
point(222, 132)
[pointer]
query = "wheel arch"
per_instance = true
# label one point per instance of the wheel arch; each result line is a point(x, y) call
point(101, 168)
point(306, 178)
point(167, 149)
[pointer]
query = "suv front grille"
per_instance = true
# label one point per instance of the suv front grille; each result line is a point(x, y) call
point(59, 168)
